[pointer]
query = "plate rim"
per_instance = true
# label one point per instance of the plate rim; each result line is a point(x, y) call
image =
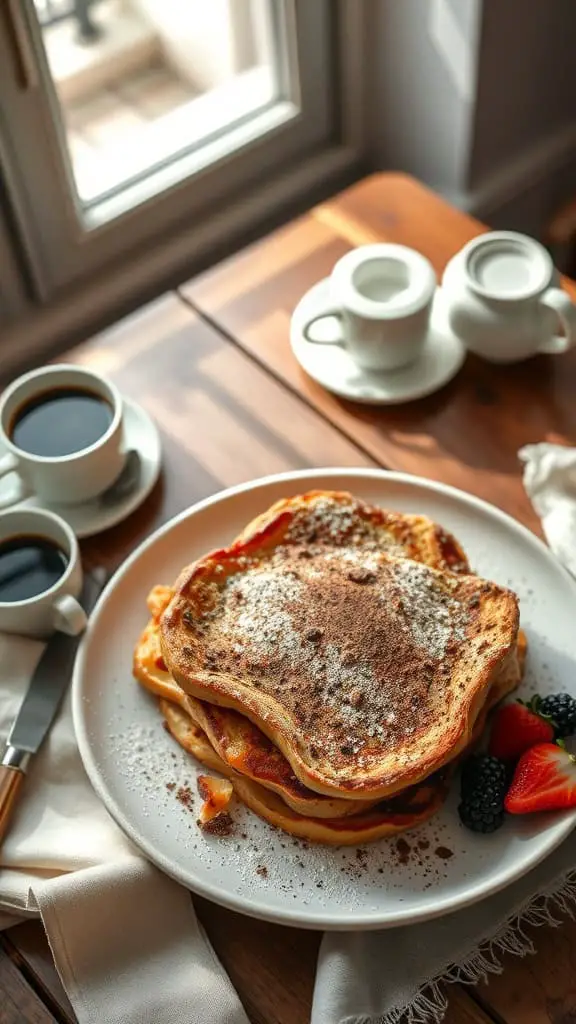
point(300, 917)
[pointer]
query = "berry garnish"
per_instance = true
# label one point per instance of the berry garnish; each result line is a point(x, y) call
point(561, 709)
point(517, 727)
point(483, 788)
point(544, 780)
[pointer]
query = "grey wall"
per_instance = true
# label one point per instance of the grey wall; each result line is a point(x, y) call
point(478, 99)
point(527, 85)
point(423, 84)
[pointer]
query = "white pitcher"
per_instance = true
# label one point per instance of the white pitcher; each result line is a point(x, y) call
point(503, 299)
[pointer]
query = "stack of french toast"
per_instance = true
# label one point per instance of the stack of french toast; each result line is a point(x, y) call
point(333, 664)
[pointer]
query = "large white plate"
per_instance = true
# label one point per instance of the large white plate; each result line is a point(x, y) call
point(131, 760)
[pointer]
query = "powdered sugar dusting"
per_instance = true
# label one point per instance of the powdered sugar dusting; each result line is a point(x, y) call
point(325, 521)
point(346, 639)
point(258, 610)
point(155, 769)
point(432, 615)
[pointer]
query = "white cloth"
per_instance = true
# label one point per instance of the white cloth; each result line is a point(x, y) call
point(550, 482)
point(124, 936)
point(372, 978)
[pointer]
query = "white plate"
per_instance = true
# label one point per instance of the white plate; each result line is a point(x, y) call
point(131, 760)
point(332, 365)
point(140, 433)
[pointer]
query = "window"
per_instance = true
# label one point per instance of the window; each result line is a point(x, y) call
point(140, 135)
point(140, 87)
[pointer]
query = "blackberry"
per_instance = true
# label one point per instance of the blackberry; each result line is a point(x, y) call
point(561, 708)
point(481, 769)
point(483, 788)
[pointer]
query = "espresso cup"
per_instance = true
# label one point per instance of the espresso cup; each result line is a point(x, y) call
point(67, 479)
point(382, 296)
point(54, 607)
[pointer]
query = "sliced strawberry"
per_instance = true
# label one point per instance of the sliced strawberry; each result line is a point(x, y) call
point(517, 727)
point(544, 780)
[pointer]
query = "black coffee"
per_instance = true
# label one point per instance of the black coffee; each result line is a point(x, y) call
point(60, 422)
point(29, 566)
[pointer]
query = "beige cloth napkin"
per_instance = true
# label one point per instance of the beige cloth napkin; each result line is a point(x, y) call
point(392, 976)
point(124, 937)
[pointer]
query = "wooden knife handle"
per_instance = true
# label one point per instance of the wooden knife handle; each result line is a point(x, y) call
point(11, 780)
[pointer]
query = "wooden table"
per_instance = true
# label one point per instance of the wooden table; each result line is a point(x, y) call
point(213, 366)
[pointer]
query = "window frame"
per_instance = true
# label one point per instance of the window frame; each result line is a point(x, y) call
point(14, 294)
point(61, 251)
point(67, 307)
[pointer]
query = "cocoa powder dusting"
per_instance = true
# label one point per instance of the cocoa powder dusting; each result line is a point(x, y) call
point(221, 825)
point(403, 850)
point(349, 642)
point(443, 852)
point(371, 688)
point(185, 796)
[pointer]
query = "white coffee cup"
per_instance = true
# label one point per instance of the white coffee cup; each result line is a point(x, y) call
point(66, 479)
point(382, 296)
point(56, 608)
point(503, 298)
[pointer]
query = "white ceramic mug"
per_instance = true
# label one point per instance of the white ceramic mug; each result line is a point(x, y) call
point(382, 295)
point(66, 479)
point(58, 607)
point(503, 300)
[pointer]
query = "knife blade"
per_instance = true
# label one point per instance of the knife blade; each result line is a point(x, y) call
point(47, 687)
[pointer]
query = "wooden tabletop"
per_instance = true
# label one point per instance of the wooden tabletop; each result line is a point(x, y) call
point(213, 366)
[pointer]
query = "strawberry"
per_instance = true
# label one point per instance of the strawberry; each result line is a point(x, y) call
point(544, 780)
point(517, 727)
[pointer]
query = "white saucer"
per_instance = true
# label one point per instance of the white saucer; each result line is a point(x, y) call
point(141, 434)
point(333, 367)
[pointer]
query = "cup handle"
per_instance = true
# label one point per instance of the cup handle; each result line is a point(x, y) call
point(559, 300)
point(9, 464)
point(328, 310)
point(69, 616)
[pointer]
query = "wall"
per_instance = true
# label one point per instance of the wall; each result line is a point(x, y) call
point(424, 79)
point(523, 158)
point(478, 99)
point(528, 92)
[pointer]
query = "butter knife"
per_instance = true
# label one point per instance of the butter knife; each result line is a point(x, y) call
point(38, 709)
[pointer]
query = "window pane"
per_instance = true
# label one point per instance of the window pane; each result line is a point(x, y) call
point(139, 83)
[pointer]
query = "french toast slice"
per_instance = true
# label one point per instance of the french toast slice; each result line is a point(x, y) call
point(384, 819)
point(366, 670)
point(240, 743)
point(235, 739)
point(400, 813)
point(245, 748)
point(335, 518)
